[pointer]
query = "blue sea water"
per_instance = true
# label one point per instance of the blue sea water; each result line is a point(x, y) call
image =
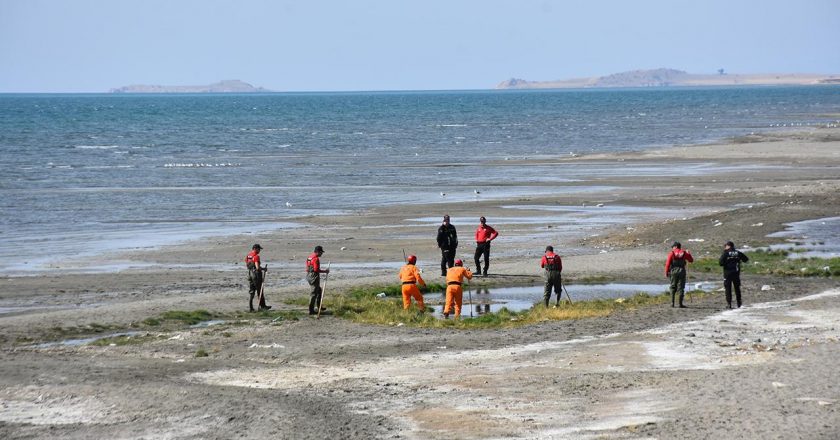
point(86, 173)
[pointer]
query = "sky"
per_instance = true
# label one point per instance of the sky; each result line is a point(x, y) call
point(348, 45)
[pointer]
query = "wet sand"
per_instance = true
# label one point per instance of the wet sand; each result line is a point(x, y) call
point(631, 375)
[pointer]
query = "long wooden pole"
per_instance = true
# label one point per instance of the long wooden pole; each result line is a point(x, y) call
point(323, 290)
point(261, 299)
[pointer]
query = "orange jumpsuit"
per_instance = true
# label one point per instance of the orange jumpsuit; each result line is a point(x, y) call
point(454, 291)
point(410, 277)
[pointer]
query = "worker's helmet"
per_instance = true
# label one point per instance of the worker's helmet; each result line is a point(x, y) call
point(256, 246)
point(459, 262)
point(412, 259)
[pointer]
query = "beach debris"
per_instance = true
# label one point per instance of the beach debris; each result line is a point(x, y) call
point(757, 224)
point(717, 223)
point(778, 385)
point(400, 324)
point(443, 194)
point(380, 295)
point(803, 269)
point(822, 402)
point(344, 248)
point(288, 205)
point(600, 205)
point(477, 192)
point(272, 345)
point(698, 240)
point(826, 269)
point(767, 287)
point(177, 337)
point(620, 300)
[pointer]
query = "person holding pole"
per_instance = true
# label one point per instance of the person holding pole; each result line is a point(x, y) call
point(675, 271)
point(410, 277)
point(454, 290)
point(553, 266)
point(255, 277)
point(313, 277)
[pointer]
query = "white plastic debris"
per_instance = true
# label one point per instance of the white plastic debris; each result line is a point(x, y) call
point(758, 224)
point(380, 295)
point(699, 240)
point(272, 345)
point(767, 287)
point(779, 385)
point(176, 338)
point(344, 248)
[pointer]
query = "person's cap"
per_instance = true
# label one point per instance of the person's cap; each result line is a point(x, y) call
point(256, 246)
point(549, 248)
point(677, 245)
point(319, 249)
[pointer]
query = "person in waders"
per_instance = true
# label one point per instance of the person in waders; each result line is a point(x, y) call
point(313, 277)
point(255, 277)
point(731, 261)
point(454, 289)
point(553, 266)
point(484, 234)
point(410, 278)
point(447, 241)
point(675, 271)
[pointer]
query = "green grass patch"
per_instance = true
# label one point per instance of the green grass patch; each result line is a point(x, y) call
point(775, 263)
point(392, 290)
point(369, 309)
point(201, 353)
point(188, 317)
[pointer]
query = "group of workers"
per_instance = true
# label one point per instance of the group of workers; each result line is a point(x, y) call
point(455, 272)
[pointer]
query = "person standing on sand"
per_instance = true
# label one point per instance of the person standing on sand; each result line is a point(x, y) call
point(410, 277)
point(675, 270)
point(731, 261)
point(313, 277)
point(454, 290)
point(447, 241)
point(553, 266)
point(255, 277)
point(484, 234)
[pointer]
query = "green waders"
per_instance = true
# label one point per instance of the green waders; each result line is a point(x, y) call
point(554, 281)
point(677, 276)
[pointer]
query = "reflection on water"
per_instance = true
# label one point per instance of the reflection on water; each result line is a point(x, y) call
point(483, 300)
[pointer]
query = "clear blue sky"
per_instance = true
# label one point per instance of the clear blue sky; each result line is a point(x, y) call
point(95, 45)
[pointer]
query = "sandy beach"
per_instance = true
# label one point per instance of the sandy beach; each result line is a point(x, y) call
point(763, 371)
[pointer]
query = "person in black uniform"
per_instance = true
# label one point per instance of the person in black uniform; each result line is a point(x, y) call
point(731, 261)
point(447, 240)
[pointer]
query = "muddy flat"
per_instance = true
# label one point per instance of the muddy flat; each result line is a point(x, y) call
point(766, 370)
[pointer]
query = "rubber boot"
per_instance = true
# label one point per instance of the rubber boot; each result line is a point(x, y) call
point(673, 298)
point(251, 303)
point(682, 306)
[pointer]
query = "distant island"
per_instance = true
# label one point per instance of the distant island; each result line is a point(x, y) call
point(672, 78)
point(227, 86)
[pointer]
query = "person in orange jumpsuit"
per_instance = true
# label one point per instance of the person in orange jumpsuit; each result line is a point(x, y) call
point(410, 277)
point(454, 291)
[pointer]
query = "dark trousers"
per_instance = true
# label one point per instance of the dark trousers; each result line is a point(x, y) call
point(482, 249)
point(255, 281)
point(314, 280)
point(447, 260)
point(732, 280)
point(553, 281)
point(677, 276)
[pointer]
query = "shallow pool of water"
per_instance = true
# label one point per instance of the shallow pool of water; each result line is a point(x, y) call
point(82, 341)
point(491, 300)
point(818, 238)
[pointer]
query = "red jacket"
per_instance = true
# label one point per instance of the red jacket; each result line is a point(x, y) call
point(677, 258)
point(551, 259)
point(313, 263)
point(485, 233)
point(252, 258)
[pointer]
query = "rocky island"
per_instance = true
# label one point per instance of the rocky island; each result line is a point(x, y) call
point(672, 78)
point(226, 86)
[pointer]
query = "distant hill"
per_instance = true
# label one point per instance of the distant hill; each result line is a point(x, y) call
point(227, 86)
point(672, 78)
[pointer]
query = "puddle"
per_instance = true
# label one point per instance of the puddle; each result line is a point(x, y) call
point(820, 238)
point(81, 341)
point(491, 300)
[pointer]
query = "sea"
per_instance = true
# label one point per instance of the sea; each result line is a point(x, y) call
point(82, 174)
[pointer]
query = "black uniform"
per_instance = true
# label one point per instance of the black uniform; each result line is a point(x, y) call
point(731, 261)
point(447, 240)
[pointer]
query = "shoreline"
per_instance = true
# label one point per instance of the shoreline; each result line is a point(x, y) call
point(650, 372)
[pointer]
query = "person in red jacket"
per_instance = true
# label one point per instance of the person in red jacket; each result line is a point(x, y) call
point(553, 266)
point(675, 270)
point(255, 277)
point(484, 234)
point(313, 277)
